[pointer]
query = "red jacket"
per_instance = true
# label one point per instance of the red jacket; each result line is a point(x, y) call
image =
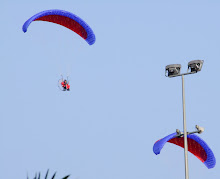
point(67, 86)
point(63, 84)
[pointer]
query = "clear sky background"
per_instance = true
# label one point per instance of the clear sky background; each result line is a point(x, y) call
point(120, 102)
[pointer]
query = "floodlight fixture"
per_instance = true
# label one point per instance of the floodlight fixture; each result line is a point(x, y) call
point(200, 129)
point(173, 69)
point(179, 133)
point(195, 65)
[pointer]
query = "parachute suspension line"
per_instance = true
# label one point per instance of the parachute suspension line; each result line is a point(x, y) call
point(67, 79)
point(59, 82)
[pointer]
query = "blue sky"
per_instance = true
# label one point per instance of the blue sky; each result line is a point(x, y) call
point(120, 102)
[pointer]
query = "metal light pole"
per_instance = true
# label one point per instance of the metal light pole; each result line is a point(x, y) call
point(185, 131)
point(174, 71)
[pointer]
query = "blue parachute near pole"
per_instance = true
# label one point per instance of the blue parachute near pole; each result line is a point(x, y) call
point(196, 146)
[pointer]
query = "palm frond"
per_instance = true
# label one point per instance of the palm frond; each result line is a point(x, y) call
point(38, 176)
point(46, 174)
point(53, 175)
point(66, 177)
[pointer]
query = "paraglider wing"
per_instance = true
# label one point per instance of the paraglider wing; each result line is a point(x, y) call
point(65, 19)
point(196, 146)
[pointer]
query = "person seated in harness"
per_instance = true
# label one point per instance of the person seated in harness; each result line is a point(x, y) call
point(65, 85)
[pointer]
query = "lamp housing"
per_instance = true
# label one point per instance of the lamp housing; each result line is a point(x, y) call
point(195, 65)
point(173, 69)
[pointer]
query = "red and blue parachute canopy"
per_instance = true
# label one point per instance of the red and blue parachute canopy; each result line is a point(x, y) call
point(65, 19)
point(196, 146)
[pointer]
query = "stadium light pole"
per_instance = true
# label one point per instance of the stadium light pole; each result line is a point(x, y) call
point(174, 71)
